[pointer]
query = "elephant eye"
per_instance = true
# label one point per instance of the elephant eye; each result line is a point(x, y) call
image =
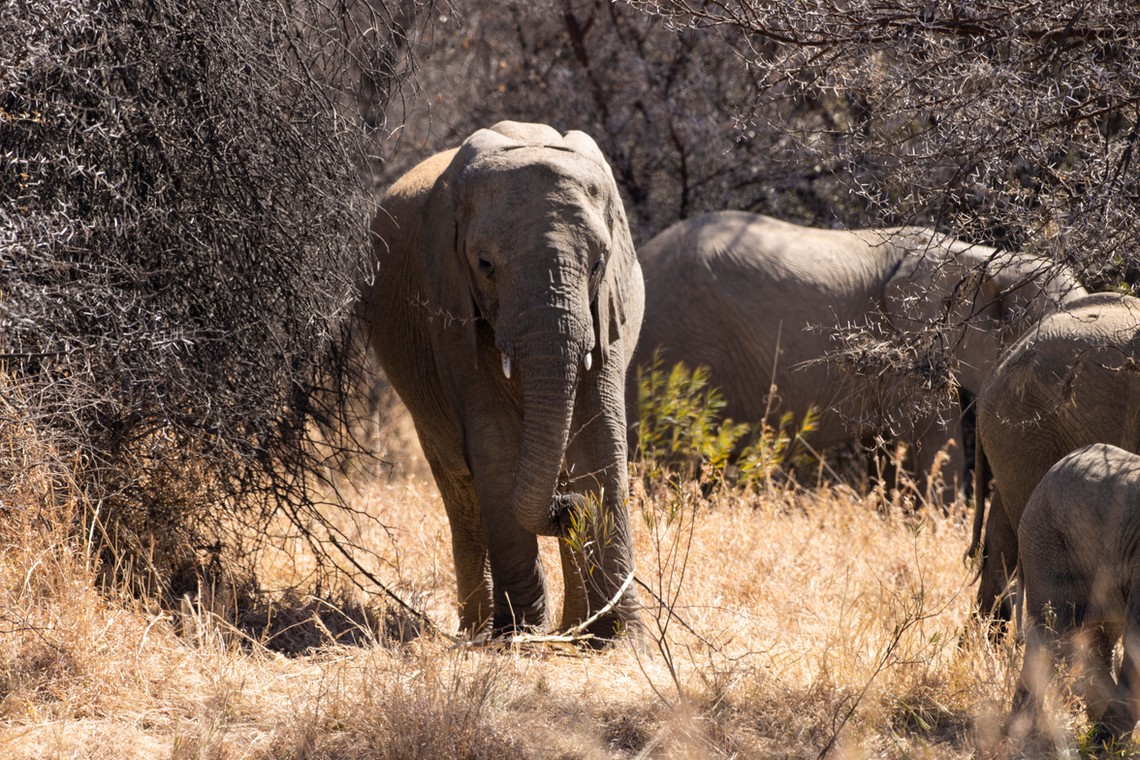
point(598, 267)
point(486, 267)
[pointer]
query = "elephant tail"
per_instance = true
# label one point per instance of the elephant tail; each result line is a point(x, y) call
point(982, 476)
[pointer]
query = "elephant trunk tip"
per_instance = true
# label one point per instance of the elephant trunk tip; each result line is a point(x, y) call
point(550, 522)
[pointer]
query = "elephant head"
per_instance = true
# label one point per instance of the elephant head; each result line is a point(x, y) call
point(529, 244)
point(983, 298)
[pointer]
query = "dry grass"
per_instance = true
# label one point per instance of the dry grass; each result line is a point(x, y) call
point(804, 623)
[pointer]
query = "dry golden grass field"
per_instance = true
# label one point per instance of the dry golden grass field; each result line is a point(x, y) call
point(791, 623)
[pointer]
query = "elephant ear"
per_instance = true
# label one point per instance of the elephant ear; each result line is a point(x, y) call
point(949, 284)
point(941, 281)
point(620, 297)
point(448, 278)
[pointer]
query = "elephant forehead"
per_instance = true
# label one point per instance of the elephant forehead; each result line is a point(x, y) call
point(518, 226)
point(533, 199)
point(528, 170)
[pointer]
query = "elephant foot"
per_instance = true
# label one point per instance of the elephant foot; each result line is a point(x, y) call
point(506, 630)
point(609, 629)
point(511, 619)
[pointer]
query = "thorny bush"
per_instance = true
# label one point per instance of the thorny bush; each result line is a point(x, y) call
point(183, 224)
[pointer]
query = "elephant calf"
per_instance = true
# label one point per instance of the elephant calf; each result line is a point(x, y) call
point(1070, 381)
point(505, 308)
point(1080, 563)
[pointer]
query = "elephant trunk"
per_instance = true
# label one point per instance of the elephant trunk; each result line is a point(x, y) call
point(549, 361)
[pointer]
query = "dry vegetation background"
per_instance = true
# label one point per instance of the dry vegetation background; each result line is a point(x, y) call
point(798, 623)
point(196, 561)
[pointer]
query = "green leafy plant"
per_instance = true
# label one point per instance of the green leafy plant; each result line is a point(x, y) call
point(681, 435)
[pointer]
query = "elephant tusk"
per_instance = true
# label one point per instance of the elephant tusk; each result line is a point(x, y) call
point(506, 366)
point(589, 360)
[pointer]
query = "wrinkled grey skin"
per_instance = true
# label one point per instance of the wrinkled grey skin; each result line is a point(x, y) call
point(1080, 564)
point(1071, 380)
point(505, 309)
point(756, 300)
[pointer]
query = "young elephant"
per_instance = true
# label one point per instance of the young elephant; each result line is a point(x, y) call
point(1080, 563)
point(505, 307)
point(1070, 381)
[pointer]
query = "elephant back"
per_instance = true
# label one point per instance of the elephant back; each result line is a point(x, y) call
point(1071, 381)
point(752, 298)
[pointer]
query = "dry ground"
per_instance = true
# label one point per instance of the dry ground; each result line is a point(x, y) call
point(804, 624)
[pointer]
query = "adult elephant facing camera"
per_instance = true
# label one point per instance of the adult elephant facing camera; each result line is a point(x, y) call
point(757, 300)
point(505, 309)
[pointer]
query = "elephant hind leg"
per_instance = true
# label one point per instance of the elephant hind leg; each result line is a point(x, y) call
point(999, 560)
point(1038, 670)
point(1091, 655)
point(1055, 631)
point(1121, 716)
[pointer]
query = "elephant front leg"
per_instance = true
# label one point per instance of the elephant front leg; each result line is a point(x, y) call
point(469, 551)
point(597, 550)
point(468, 543)
point(518, 583)
point(597, 568)
point(517, 578)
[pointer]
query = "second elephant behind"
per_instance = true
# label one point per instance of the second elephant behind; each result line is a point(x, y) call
point(757, 301)
point(1071, 381)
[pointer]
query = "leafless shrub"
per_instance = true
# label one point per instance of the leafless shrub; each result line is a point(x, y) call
point(1002, 123)
point(182, 231)
point(664, 103)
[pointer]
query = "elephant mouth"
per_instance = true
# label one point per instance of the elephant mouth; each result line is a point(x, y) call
point(507, 365)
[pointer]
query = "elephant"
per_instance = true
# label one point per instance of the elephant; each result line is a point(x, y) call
point(1080, 566)
point(756, 300)
point(506, 303)
point(1071, 380)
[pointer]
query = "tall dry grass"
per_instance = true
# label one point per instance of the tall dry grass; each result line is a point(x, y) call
point(790, 623)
